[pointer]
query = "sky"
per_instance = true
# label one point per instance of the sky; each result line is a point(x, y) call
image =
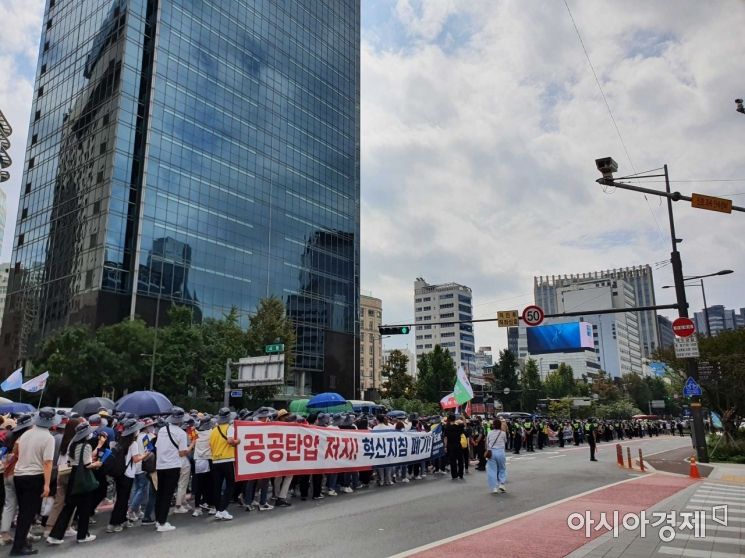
point(481, 121)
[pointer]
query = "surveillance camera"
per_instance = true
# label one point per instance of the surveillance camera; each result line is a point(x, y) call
point(740, 108)
point(607, 166)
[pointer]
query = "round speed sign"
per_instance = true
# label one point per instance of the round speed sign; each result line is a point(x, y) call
point(533, 315)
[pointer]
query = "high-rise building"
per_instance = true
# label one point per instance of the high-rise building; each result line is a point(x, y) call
point(2, 221)
point(719, 319)
point(371, 344)
point(667, 336)
point(199, 153)
point(4, 273)
point(444, 303)
point(641, 281)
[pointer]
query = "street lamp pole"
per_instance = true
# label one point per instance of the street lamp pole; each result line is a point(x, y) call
point(706, 310)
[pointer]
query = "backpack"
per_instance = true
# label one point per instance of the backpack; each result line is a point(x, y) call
point(115, 465)
point(463, 441)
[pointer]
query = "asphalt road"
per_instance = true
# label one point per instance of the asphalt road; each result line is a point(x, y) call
point(374, 522)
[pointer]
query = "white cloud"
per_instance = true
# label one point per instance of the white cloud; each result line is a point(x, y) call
point(478, 161)
point(18, 52)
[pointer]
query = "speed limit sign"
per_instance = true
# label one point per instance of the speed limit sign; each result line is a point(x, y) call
point(533, 315)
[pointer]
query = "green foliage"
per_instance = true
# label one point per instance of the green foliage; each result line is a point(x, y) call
point(622, 409)
point(637, 390)
point(605, 388)
point(436, 376)
point(189, 357)
point(423, 408)
point(505, 376)
point(560, 409)
point(725, 449)
point(531, 385)
point(397, 381)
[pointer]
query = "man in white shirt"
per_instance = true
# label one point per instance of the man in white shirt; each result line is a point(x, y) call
point(170, 447)
point(33, 473)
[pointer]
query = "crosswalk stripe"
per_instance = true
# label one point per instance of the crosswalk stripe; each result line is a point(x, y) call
point(708, 509)
point(729, 489)
point(692, 553)
point(717, 499)
point(716, 540)
point(728, 486)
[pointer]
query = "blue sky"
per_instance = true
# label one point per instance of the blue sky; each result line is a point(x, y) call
point(481, 120)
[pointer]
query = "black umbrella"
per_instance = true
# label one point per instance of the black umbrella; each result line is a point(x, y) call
point(91, 405)
point(144, 403)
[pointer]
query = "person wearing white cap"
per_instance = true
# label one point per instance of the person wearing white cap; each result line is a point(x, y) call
point(33, 473)
point(170, 447)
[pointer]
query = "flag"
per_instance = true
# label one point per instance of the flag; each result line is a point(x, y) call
point(463, 391)
point(448, 402)
point(36, 384)
point(468, 409)
point(13, 381)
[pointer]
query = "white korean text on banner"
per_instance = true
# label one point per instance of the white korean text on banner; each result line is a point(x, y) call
point(269, 449)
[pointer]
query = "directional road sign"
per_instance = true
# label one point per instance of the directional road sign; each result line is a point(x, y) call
point(533, 315)
point(691, 388)
point(236, 393)
point(712, 203)
point(274, 348)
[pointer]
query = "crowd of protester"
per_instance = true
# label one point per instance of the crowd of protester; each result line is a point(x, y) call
point(60, 467)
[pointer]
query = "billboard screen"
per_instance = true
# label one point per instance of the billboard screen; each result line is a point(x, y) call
point(560, 338)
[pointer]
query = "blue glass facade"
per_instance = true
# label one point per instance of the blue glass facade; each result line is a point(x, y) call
point(199, 152)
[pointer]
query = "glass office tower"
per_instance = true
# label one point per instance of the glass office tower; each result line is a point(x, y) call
point(196, 152)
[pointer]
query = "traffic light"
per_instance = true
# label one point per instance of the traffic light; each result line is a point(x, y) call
point(394, 330)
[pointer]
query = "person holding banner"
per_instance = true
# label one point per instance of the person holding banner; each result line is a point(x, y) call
point(496, 464)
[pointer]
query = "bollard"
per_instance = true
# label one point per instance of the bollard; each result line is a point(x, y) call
point(641, 460)
point(619, 455)
point(628, 457)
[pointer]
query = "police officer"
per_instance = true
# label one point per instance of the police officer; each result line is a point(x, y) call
point(575, 431)
point(517, 436)
point(590, 432)
point(529, 427)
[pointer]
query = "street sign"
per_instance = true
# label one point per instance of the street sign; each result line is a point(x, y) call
point(274, 348)
point(686, 347)
point(658, 403)
point(705, 370)
point(236, 393)
point(691, 388)
point(581, 402)
point(507, 318)
point(533, 315)
point(683, 327)
point(711, 203)
point(267, 370)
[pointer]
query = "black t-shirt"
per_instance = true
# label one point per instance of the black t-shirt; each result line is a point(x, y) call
point(452, 432)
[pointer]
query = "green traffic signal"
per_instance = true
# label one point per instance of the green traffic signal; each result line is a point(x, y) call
point(394, 330)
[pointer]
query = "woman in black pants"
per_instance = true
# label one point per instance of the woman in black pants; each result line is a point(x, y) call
point(80, 455)
point(129, 454)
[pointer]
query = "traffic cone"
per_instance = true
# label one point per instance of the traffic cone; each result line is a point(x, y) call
point(694, 474)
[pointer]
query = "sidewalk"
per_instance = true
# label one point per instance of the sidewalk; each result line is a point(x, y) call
point(516, 536)
point(722, 536)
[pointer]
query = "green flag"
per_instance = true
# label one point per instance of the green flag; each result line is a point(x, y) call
point(463, 391)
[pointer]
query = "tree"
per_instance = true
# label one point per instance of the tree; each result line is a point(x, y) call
point(397, 381)
point(436, 376)
point(505, 376)
point(271, 325)
point(560, 409)
point(79, 365)
point(560, 382)
point(637, 390)
point(179, 361)
point(605, 388)
point(131, 343)
point(621, 409)
point(531, 385)
point(223, 340)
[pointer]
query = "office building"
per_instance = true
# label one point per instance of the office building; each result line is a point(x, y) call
point(639, 278)
point(443, 303)
point(198, 153)
point(411, 368)
point(667, 336)
point(371, 343)
point(719, 319)
point(4, 273)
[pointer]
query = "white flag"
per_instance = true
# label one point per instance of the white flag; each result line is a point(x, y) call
point(36, 384)
point(13, 381)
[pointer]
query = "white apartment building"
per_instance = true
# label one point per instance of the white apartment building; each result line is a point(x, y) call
point(443, 303)
point(371, 344)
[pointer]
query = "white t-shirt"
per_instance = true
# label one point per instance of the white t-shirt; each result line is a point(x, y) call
point(34, 448)
point(167, 456)
point(495, 440)
point(133, 469)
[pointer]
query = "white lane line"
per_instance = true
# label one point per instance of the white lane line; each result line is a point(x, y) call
point(730, 488)
point(555, 456)
point(691, 553)
point(435, 544)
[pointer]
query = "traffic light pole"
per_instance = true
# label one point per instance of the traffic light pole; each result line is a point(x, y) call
point(699, 438)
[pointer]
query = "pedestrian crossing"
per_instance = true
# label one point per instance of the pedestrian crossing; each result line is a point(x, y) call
point(724, 535)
